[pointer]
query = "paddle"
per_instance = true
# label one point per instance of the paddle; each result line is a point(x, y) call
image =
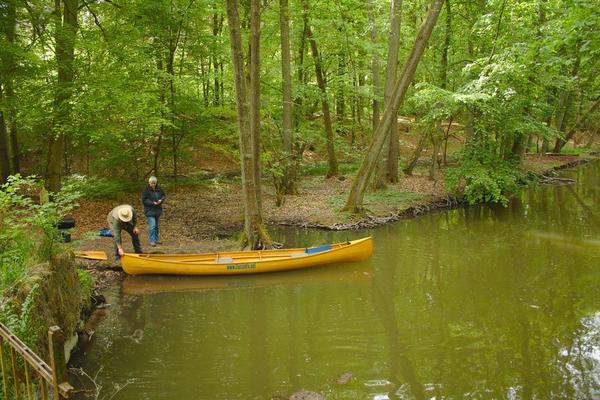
point(92, 255)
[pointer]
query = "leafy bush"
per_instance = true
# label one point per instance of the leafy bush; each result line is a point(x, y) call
point(87, 284)
point(485, 175)
point(28, 229)
point(22, 322)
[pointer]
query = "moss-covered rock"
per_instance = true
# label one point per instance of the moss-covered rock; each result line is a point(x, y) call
point(51, 294)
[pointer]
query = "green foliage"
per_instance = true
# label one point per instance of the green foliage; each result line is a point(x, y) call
point(22, 322)
point(97, 187)
point(88, 282)
point(29, 233)
point(483, 175)
point(433, 104)
point(574, 150)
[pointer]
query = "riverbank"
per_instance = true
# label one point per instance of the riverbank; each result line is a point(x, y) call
point(205, 216)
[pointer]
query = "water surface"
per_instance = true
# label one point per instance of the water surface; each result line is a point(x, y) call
point(477, 302)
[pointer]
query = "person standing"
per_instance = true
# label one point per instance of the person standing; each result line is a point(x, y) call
point(153, 198)
point(123, 217)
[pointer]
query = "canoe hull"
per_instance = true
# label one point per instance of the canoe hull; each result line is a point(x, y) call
point(239, 263)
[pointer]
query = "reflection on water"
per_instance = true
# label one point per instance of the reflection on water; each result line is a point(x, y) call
point(478, 302)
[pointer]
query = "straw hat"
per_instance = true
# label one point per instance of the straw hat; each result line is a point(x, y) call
point(124, 213)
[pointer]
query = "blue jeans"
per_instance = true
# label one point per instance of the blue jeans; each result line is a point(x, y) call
point(152, 229)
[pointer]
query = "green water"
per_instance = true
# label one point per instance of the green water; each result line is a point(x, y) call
point(479, 302)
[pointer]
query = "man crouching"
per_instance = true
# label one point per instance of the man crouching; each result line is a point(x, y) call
point(123, 217)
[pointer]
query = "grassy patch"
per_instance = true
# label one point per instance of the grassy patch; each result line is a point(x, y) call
point(390, 197)
point(576, 151)
point(393, 197)
point(321, 168)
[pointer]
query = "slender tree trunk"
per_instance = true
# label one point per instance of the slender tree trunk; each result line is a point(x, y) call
point(66, 28)
point(580, 121)
point(340, 103)
point(217, 21)
point(360, 184)
point(205, 94)
point(387, 170)
point(391, 71)
point(568, 103)
point(289, 173)
point(11, 117)
point(435, 141)
point(254, 230)
point(4, 165)
point(171, 73)
point(412, 162)
point(593, 135)
point(161, 131)
point(255, 95)
point(359, 98)
point(331, 157)
point(446, 47)
point(375, 66)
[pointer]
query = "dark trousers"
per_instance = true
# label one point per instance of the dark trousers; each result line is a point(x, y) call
point(135, 240)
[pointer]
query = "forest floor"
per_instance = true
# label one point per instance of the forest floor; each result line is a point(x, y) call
point(205, 216)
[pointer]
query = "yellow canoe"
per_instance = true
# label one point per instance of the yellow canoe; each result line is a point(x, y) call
point(246, 262)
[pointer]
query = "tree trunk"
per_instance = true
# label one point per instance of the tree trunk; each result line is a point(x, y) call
point(568, 103)
point(171, 73)
point(254, 232)
point(391, 71)
point(217, 21)
point(580, 121)
point(11, 115)
point(374, 66)
point(66, 28)
point(340, 103)
point(161, 131)
point(355, 199)
point(4, 165)
point(289, 173)
point(255, 96)
point(593, 135)
point(435, 141)
point(446, 48)
point(410, 166)
point(331, 157)
point(387, 170)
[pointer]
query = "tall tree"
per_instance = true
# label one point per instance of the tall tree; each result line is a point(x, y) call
point(66, 28)
point(331, 157)
point(254, 230)
point(375, 73)
point(361, 181)
point(289, 173)
point(4, 165)
point(9, 68)
point(387, 170)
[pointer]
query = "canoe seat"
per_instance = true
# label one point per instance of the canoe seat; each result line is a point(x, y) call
point(318, 249)
point(224, 260)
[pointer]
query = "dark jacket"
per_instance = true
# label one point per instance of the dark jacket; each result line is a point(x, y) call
point(149, 196)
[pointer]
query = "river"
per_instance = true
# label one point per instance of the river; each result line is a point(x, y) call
point(485, 302)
